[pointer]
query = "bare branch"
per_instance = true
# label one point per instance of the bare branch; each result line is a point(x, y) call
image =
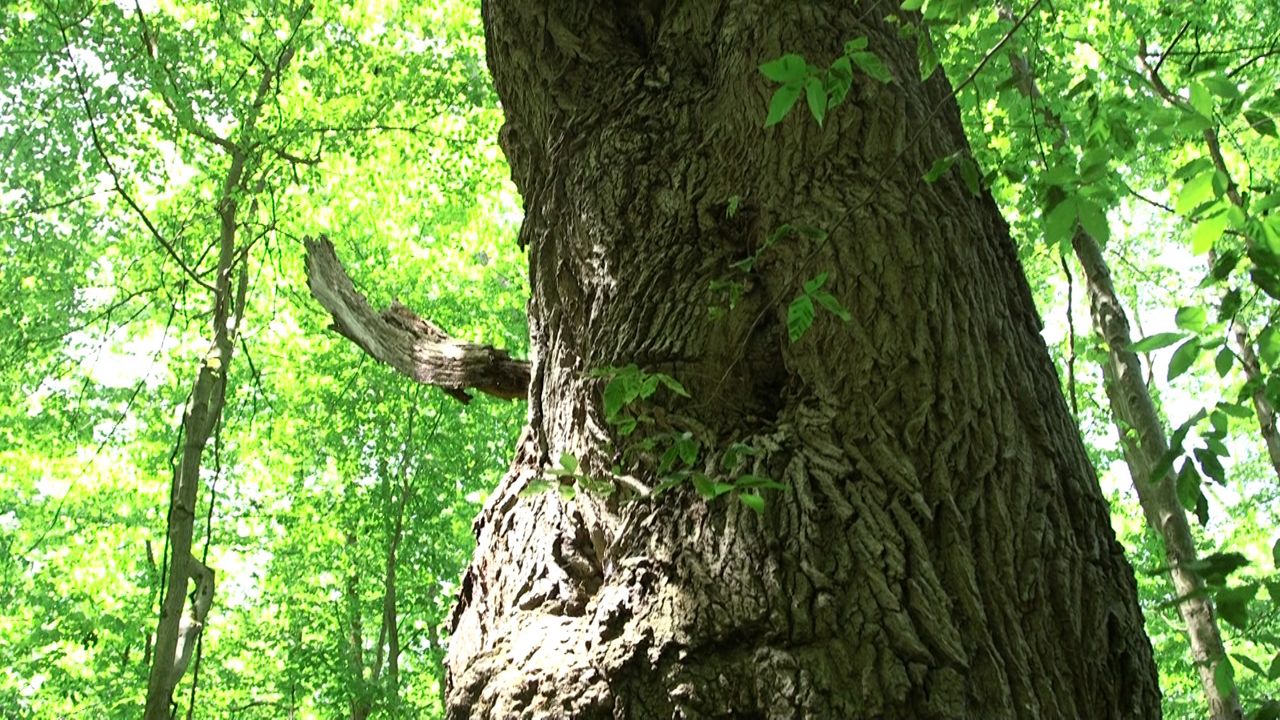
point(115, 177)
point(406, 342)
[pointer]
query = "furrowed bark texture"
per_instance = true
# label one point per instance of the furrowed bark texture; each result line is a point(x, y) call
point(942, 549)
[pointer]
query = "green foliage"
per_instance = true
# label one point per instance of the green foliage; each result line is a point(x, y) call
point(103, 328)
point(681, 456)
point(824, 89)
point(800, 313)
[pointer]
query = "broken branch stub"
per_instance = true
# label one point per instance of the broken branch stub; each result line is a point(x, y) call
point(410, 344)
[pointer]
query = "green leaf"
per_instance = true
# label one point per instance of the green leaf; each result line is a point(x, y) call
point(1267, 280)
point(1269, 346)
point(1233, 604)
point(1094, 220)
point(832, 305)
point(1210, 465)
point(927, 53)
point(534, 487)
point(1060, 222)
point(1190, 496)
point(1184, 357)
point(784, 98)
point(1268, 710)
point(626, 425)
point(1191, 318)
point(1222, 86)
point(597, 487)
point(815, 282)
point(1224, 676)
point(912, 5)
point(1249, 663)
point(616, 395)
point(1201, 100)
point(1195, 192)
point(687, 449)
point(869, 63)
point(940, 167)
point(753, 501)
point(1206, 232)
point(1236, 410)
point(968, 170)
point(673, 385)
point(799, 317)
point(815, 94)
point(1062, 174)
point(758, 481)
point(839, 80)
point(1230, 305)
point(1273, 670)
point(856, 44)
point(1223, 362)
point(789, 69)
point(1155, 342)
point(667, 484)
point(1192, 168)
point(1215, 568)
point(1275, 561)
point(1261, 123)
point(569, 462)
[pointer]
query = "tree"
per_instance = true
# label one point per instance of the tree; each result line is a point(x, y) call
point(718, 309)
point(1146, 446)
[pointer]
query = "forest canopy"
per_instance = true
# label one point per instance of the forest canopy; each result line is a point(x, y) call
point(163, 355)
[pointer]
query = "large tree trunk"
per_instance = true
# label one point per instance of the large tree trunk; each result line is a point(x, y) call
point(942, 549)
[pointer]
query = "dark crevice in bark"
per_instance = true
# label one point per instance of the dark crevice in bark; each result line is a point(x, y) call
point(414, 346)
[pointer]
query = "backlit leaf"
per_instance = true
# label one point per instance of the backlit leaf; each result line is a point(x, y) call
point(1155, 342)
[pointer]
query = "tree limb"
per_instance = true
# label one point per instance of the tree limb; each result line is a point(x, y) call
point(399, 338)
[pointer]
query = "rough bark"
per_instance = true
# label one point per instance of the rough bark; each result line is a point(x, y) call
point(942, 549)
point(1143, 439)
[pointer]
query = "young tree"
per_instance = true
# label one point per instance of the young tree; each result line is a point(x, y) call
point(941, 547)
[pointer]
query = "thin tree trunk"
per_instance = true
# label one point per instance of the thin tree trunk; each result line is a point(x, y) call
point(203, 413)
point(942, 549)
point(1261, 405)
point(360, 703)
point(1143, 439)
point(176, 632)
point(1143, 447)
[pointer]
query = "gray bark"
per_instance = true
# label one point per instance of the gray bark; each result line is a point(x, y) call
point(942, 549)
